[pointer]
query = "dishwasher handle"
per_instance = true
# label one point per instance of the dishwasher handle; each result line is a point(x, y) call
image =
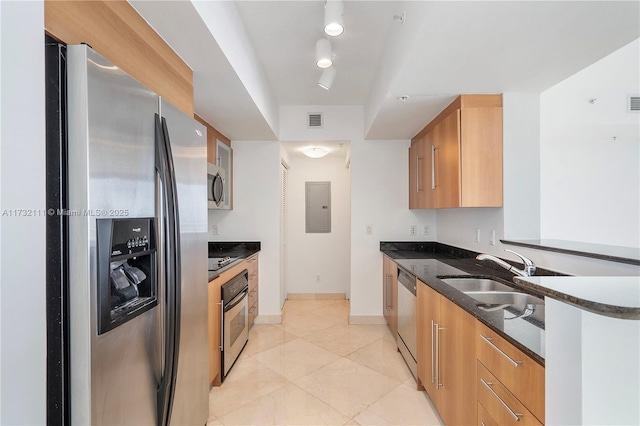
point(407, 280)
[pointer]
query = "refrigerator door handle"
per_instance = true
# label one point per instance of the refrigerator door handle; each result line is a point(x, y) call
point(164, 165)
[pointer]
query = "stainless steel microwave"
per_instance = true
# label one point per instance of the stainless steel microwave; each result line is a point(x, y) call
point(215, 186)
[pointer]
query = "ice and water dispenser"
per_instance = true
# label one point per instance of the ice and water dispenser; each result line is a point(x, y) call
point(127, 270)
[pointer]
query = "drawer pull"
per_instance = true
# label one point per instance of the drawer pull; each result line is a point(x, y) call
point(489, 339)
point(516, 416)
point(482, 424)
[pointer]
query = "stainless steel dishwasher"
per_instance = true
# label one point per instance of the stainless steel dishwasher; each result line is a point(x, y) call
point(407, 339)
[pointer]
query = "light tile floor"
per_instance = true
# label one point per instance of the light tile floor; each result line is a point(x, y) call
point(316, 369)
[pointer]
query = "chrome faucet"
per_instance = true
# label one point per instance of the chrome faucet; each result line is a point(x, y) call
point(529, 267)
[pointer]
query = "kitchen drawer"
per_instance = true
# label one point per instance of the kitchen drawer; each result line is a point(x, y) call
point(518, 372)
point(253, 313)
point(252, 264)
point(253, 279)
point(500, 404)
point(484, 419)
point(253, 296)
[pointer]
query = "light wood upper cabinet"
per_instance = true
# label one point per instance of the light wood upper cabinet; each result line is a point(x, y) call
point(456, 160)
point(446, 162)
point(446, 356)
point(115, 30)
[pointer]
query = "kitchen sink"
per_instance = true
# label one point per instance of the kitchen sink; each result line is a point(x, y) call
point(505, 298)
point(470, 284)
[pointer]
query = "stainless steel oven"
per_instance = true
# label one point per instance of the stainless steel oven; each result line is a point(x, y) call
point(235, 320)
point(407, 336)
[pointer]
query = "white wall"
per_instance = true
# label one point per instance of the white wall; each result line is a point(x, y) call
point(226, 26)
point(380, 198)
point(256, 213)
point(22, 180)
point(521, 153)
point(326, 256)
point(590, 183)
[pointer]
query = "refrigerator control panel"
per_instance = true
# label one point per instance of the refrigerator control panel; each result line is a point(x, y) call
point(127, 270)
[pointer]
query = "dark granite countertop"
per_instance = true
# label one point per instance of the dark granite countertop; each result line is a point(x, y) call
point(239, 249)
point(428, 261)
point(616, 297)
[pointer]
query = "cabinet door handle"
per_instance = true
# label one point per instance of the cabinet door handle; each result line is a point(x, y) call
point(434, 175)
point(221, 323)
point(433, 372)
point(438, 328)
point(516, 416)
point(387, 306)
point(418, 173)
point(489, 341)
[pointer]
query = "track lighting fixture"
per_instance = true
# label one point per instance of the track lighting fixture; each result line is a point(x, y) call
point(324, 56)
point(333, 18)
point(327, 77)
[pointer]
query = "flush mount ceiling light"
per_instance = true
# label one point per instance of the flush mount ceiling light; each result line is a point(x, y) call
point(333, 18)
point(324, 56)
point(327, 77)
point(316, 152)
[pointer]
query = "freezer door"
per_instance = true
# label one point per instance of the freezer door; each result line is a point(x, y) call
point(188, 141)
point(111, 165)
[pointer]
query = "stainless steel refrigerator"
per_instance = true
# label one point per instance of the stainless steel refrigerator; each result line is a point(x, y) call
point(133, 237)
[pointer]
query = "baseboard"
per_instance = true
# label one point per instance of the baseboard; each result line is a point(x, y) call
point(316, 296)
point(367, 319)
point(268, 319)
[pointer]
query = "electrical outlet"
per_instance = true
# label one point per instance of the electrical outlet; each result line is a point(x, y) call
point(413, 230)
point(317, 278)
point(477, 237)
point(492, 237)
point(369, 230)
point(425, 230)
point(214, 230)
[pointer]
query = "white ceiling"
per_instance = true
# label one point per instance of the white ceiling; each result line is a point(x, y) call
point(443, 49)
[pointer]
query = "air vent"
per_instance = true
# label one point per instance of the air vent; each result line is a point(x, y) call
point(314, 120)
point(634, 103)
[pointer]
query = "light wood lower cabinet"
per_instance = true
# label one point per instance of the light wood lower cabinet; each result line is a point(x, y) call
point(390, 293)
point(446, 356)
point(500, 403)
point(215, 311)
point(484, 419)
point(520, 376)
point(214, 331)
point(252, 268)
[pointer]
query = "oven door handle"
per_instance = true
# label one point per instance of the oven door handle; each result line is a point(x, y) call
point(236, 299)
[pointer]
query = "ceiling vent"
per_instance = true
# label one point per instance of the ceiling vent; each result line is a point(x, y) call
point(634, 103)
point(314, 120)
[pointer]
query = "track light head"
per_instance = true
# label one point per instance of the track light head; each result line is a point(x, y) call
point(327, 77)
point(324, 55)
point(333, 18)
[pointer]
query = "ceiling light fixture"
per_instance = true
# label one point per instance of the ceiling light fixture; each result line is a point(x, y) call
point(333, 18)
point(327, 77)
point(324, 56)
point(315, 152)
